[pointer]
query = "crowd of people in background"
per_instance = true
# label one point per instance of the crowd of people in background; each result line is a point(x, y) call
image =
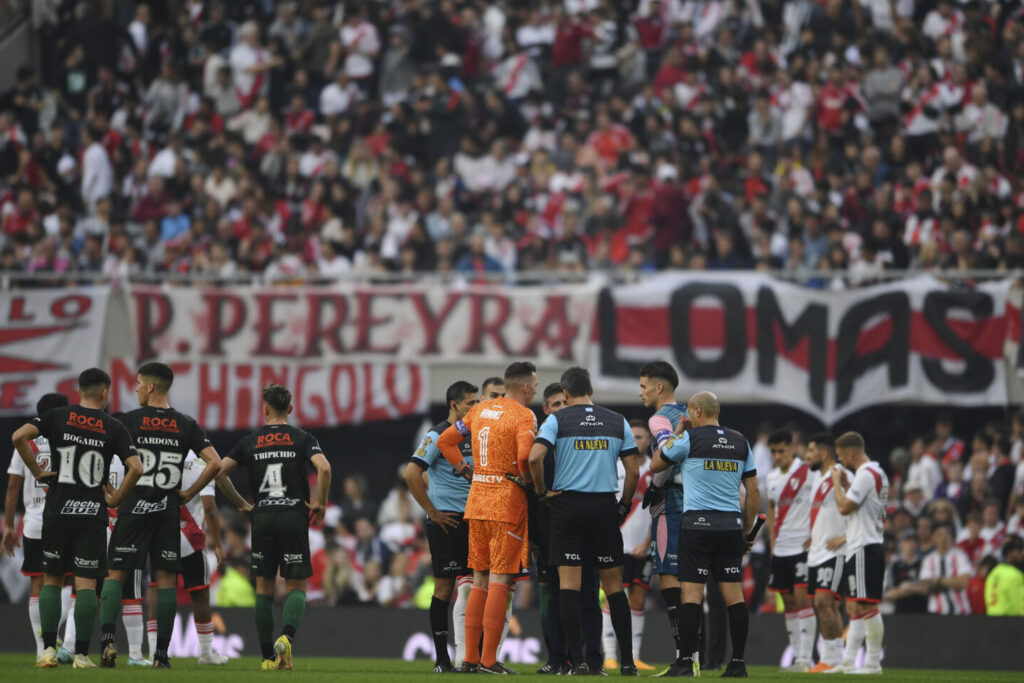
point(314, 139)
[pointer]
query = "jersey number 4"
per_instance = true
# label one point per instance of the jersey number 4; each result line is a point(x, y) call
point(273, 482)
point(162, 469)
point(89, 470)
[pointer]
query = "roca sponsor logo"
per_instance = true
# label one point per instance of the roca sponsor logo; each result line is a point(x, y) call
point(162, 424)
point(274, 439)
point(83, 508)
point(292, 558)
point(145, 507)
point(83, 421)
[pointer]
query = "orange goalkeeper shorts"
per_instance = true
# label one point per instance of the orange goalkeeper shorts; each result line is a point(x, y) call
point(498, 547)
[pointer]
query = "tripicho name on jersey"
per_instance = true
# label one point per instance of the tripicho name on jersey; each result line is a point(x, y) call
point(273, 455)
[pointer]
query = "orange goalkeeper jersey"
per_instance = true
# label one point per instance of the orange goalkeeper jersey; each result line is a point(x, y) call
point(502, 434)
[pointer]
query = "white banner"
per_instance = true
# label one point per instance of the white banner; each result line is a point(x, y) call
point(47, 337)
point(750, 338)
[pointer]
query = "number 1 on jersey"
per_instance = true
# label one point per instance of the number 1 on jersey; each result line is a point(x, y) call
point(482, 437)
point(272, 484)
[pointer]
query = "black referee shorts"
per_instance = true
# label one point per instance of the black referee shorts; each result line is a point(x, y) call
point(584, 527)
point(710, 553)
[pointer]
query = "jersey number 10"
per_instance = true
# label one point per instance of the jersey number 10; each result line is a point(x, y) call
point(89, 470)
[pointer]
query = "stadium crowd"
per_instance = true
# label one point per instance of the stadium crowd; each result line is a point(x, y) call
point(314, 139)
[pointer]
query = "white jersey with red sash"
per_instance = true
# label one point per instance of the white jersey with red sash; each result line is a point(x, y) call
point(791, 492)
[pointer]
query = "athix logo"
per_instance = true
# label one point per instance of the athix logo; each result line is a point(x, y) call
point(145, 507)
point(80, 508)
point(274, 439)
point(160, 424)
point(87, 422)
point(591, 421)
point(722, 439)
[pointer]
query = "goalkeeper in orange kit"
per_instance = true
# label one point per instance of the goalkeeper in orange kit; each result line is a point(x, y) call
point(502, 432)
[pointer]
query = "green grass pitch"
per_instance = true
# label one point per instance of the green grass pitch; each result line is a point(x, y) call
point(19, 667)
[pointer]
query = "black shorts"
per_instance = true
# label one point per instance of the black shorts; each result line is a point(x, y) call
point(827, 577)
point(863, 574)
point(637, 571)
point(710, 553)
point(136, 538)
point(195, 571)
point(74, 545)
point(585, 528)
point(281, 541)
point(32, 563)
point(133, 587)
point(788, 573)
point(449, 552)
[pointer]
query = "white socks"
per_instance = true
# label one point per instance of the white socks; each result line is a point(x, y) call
point(205, 632)
point(793, 631)
point(854, 639)
point(638, 631)
point(69, 629)
point(463, 586)
point(808, 624)
point(33, 619)
point(832, 652)
point(131, 615)
point(151, 635)
point(608, 642)
point(875, 631)
point(66, 600)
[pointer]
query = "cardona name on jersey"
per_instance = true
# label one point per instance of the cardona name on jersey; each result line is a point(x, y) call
point(80, 508)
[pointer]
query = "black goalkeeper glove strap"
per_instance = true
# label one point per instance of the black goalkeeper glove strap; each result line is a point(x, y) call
point(653, 496)
point(623, 510)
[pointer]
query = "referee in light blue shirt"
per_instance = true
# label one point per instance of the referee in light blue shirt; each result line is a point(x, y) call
point(717, 515)
point(588, 441)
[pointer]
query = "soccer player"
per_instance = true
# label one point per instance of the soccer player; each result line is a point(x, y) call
point(85, 440)
point(34, 497)
point(276, 456)
point(447, 532)
point(588, 440)
point(148, 523)
point(790, 489)
point(637, 563)
point(501, 431)
point(864, 564)
point(658, 382)
point(826, 554)
point(199, 521)
point(720, 503)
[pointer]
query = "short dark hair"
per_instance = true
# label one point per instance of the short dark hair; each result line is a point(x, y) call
point(576, 381)
point(824, 440)
point(519, 371)
point(552, 389)
point(851, 440)
point(50, 401)
point(161, 373)
point(92, 380)
point(781, 436)
point(986, 439)
point(988, 562)
point(277, 397)
point(457, 391)
point(640, 422)
point(492, 380)
point(661, 370)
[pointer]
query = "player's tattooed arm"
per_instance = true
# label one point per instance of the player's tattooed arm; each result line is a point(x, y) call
point(227, 487)
point(22, 440)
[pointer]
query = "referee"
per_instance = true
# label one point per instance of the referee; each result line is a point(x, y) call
point(716, 461)
point(588, 441)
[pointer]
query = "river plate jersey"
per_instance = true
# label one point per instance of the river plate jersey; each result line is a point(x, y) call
point(163, 438)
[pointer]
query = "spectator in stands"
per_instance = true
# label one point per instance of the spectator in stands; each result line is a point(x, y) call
point(1004, 585)
point(945, 573)
point(356, 505)
point(902, 577)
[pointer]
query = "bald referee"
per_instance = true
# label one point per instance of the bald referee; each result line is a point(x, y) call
point(716, 461)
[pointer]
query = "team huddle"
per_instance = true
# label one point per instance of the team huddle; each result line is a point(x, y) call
point(108, 495)
point(594, 499)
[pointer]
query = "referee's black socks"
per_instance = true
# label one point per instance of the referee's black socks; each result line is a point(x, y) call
point(572, 623)
point(739, 624)
point(672, 597)
point(439, 629)
point(622, 622)
point(689, 623)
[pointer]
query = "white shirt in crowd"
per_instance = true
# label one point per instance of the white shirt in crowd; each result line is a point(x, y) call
point(952, 564)
point(97, 174)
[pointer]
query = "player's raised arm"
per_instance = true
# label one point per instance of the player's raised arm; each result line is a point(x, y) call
point(204, 449)
point(674, 450)
point(448, 444)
